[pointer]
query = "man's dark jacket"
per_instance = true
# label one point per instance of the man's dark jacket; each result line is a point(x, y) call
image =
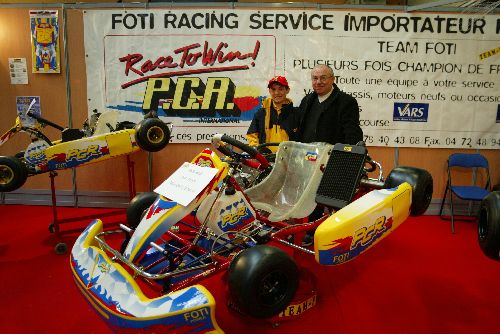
point(339, 119)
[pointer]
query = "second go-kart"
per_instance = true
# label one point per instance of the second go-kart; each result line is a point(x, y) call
point(100, 139)
point(488, 225)
point(151, 275)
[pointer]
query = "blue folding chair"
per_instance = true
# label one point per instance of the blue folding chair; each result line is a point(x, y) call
point(471, 163)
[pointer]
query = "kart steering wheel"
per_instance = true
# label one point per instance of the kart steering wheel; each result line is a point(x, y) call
point(219, 141)
point(268, 154)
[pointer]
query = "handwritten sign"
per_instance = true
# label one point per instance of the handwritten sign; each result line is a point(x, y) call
point(186, 183)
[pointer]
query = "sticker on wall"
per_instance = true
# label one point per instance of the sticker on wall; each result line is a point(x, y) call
point(45, 51)
point(23, 103)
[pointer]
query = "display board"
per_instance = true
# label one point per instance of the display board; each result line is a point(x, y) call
point(421, 79)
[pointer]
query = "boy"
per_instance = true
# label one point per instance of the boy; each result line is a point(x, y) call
point(277, 120)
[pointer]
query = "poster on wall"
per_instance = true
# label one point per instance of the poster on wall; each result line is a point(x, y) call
point(420, 79)
point(45, 52)
point(23, 103)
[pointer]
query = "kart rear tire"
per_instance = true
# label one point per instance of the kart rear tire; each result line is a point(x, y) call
point(13, 173)
point(489, 225)
point(262, 281)
point(138, 206)
point(152, 134)
point(421, 183)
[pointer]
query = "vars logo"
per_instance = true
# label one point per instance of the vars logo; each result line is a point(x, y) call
point(410, 112)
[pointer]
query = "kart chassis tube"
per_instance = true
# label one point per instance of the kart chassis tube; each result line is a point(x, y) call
point(138, 270)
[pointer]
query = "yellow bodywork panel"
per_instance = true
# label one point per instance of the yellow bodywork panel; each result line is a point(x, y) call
point(119, 143)
point(88, 150)
point(361, 224)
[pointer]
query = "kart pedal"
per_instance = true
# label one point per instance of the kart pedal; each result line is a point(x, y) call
point(341, 176)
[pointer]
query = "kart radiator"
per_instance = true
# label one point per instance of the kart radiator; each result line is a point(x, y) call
point(341, 176)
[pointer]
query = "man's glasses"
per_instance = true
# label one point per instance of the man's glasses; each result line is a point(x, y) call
point(322, 78)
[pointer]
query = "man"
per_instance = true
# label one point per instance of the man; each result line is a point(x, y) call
point(277, 120)
point(328, 114)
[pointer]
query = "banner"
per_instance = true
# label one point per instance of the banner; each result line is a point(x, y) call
point(45, 52)
point(421, 80)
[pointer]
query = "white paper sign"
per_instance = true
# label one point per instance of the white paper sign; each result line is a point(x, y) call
point(18, 71)
point(186, 183)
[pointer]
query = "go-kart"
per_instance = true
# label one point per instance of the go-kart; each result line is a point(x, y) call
point(150, 275)
point(100, 139)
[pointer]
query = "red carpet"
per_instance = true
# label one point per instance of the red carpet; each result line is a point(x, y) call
point(421, 279)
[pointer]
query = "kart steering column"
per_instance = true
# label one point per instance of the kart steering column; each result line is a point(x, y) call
point(44, 121)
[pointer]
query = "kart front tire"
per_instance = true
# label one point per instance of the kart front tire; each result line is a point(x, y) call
point(152, 134)
point(262, 281)
point(137, 207)
point(421, 183)
point(489, 225)
point(13, 173)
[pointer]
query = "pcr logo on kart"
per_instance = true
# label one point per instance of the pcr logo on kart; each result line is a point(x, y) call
point(76, 157)
point(343, 249)
point(35, 153)
point(87, 154)
point(234, 215)
point(311, 156)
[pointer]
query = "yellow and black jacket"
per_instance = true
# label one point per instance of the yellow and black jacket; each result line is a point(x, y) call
point(273, 125)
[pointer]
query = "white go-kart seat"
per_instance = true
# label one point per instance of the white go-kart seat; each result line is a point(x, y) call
point(289, 191)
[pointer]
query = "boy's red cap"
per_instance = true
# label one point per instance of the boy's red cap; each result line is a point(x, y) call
point(279, 79)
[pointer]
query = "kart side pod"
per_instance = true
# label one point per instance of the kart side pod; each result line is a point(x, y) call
point(361, 224)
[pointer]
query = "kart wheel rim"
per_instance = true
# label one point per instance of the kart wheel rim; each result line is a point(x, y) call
point(155, 135)
point(273, 288)
point(6, 174)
